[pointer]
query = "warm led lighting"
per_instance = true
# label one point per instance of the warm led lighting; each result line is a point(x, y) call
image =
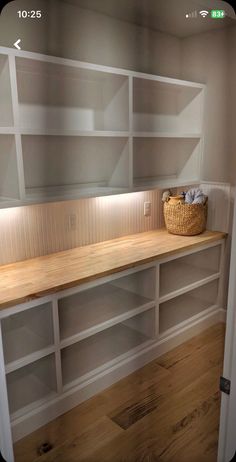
point(10, 212)
point(119, 199)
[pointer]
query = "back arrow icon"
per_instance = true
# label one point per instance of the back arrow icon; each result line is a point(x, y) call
point(16, 44)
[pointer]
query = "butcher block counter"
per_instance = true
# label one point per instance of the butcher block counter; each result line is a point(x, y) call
point(27, 280)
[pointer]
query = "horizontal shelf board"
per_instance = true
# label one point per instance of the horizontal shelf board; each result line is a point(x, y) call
point(145, 183)
point(96, 351)
point(188, 288)
point(18, 342)
point(181, 276)
point(28, 359)
point(64, 61)
point(7, 130)
point(67, 132)
point(165, 135)
point(147, 80)
point(180, 309)
point(6, 202)
point(97, 67)
point(66, 71)
point(86, 313)
point(70, 192)
point(95, 133)
point(9, 199)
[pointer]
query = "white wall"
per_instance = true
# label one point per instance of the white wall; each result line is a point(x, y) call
point(205, 59)
point(232, 104)
point(77, 33)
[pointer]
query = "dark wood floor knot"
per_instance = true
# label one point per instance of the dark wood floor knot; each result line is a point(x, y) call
point(45, 447)
point(202, 410)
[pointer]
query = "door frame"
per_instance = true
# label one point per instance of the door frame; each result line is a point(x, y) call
point(227, 433)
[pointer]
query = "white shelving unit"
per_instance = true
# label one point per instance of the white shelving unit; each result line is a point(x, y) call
point(60, 350)
point(70, 129)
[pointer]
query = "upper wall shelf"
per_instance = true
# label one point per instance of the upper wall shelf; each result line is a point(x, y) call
point(70, 129)
point(6, 113)
point(166, 107)
point(55, 96)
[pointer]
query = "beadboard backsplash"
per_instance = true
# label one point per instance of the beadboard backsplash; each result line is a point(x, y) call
point(27, 232)
point(31, 231)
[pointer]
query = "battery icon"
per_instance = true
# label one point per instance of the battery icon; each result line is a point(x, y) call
point(217, 14)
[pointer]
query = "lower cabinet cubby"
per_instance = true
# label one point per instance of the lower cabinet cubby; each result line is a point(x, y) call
point(86, 356)
point(179, 309)
point(31, 384)
point(184, 271)
point(26, 332)
point(89, 311)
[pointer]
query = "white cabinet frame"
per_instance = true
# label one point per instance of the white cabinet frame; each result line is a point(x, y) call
point(81, 389)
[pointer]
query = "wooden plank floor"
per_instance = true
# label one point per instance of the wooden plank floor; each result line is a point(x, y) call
point(166, 411)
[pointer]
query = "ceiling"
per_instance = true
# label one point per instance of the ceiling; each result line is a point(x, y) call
point(164, 15)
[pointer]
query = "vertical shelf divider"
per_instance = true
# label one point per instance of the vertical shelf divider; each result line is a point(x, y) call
point(131, 132)
point(57, 344)
point(220, 295)
point(15, 106)
point(157, 298)
point(6, 445)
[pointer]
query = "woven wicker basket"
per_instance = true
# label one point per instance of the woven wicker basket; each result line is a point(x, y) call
point(185, 219)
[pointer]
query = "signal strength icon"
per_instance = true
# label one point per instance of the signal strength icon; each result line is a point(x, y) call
point(204, 13)
point(191, 15)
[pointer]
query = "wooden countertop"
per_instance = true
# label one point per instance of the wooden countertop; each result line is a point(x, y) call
point(30, 279)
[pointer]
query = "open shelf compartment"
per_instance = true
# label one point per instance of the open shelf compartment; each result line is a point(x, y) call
point(57, 96)
point(159, 161)
point(27, 332)
point(89, 356)
point(65, 166)
point(182, 272)
point(30, 385)
point(166, 107)
point(86, 312)
point(181, 309)
point(9, 185)
point(6, 112)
